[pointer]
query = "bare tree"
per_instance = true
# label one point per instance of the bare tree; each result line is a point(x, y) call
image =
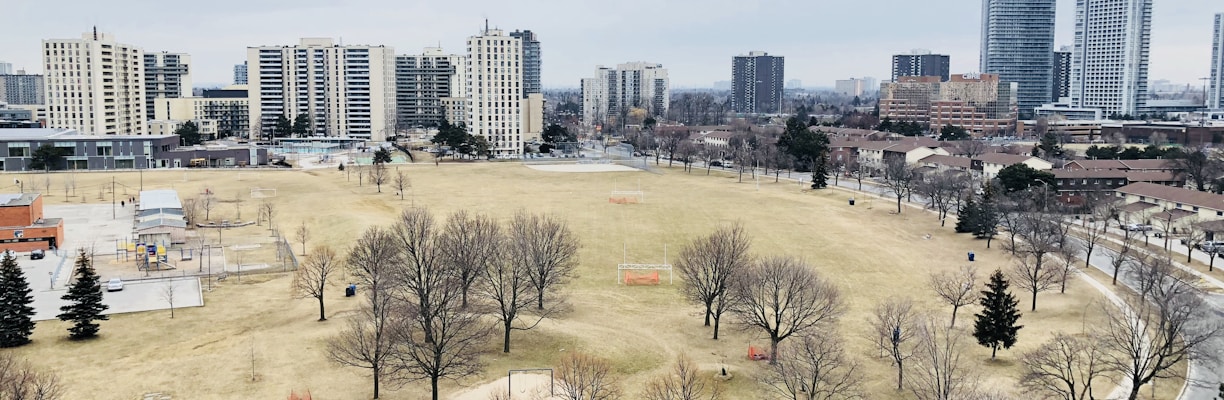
point(267, 211)
point(585, 377)
point(943, 190)
point(783, 296)
point(1065, 367)
point(191, 207)
point(893, 330)
point(682, 382)
point(507, 285)
point(956, 288)
point(1092, 235)
point(686, 152)
point(708, 265)
point(1192, 236)
point(670, 143)
point(207, 203)
point(401, 183)
point(238, 206)
point(20, 381)
point(815, 368)
point(470, 245)
point(167, 294)
point(1067, 252)
point(448, 346)
point(940, 374)
point(1147, 341)
point(1028, 274)
point(302, 234)
point(899, 179)
point(971, 148)
point(548, 247)
point(317, 272)
point(1123, 257)
point(368, 341)
point(378, 175)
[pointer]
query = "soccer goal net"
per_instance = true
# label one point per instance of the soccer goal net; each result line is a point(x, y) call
point(642, 274)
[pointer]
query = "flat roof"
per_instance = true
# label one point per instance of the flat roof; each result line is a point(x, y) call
point(17, 199)
point(153, 199)
point(19, 134)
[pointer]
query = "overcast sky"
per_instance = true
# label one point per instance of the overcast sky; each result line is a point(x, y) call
point(822, 40)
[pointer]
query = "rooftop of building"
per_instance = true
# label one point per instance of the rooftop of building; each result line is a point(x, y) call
point(18, 134)
point(1175, 194)
point(17, 199)
point(155, 199)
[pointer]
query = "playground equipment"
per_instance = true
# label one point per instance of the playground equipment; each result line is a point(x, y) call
point(627, 196)
point(631, 277)
point(148, 256)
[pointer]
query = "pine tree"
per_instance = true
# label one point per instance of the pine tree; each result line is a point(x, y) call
point(996, 324)
point(966, 216)
point(84, 301)
point(820, 173)
point(986, 220)
point(16, 323)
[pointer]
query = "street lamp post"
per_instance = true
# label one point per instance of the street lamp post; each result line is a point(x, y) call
point(51, 277)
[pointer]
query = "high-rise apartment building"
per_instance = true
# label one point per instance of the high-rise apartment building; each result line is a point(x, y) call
point(980, 103)
point(6, 68)
point(94, 85)
point(240, 73)
point(422, 81)
point(498, 109)
point(614, 93)
point(167, 75)
point(849, 87)
point(1062, 74)
point(1018, 45)
point(225, 110)
point(21, 89)
point(531, 61)
point(1109, 63)
point(1215, 96)
point(756, 83)
point(344, 90)
point(921, 63)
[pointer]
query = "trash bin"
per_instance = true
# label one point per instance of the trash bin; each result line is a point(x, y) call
point(971, 256)
point(851, 201)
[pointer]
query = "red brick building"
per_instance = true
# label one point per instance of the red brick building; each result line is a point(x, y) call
point(23, 227)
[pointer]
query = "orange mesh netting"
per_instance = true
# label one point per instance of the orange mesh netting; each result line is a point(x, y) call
point(651, 278)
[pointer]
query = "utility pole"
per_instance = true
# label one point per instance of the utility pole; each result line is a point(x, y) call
point(113, 212)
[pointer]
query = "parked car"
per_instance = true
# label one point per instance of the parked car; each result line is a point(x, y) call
point(114, 285)
point(716, 163)
point(1138, 227)
point(37, 254)
point(1211, 246)
point(10, 253)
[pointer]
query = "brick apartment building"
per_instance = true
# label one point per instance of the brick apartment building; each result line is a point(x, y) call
point(23, 227)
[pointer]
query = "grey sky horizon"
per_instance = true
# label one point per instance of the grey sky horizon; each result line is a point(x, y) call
point(695, 40)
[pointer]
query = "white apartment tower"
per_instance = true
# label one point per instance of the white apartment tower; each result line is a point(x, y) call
point(1109, 61)
point(167, 75)
point(615, 92)
point(1215, 98)
point(344, 90)
point(94, 85)
point(496, 105)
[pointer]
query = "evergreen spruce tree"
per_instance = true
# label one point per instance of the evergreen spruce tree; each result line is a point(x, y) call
point(820, 173)
point(996, 324)
point(986, 220)
point(966, 216)
point(84, 301)
point(16, 323)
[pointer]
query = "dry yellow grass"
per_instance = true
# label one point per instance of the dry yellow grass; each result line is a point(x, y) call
point(205, 352)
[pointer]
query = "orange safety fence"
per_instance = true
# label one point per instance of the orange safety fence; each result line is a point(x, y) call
point(303, 396)
point(757, 353)
point(651, 278)
point(622, 200)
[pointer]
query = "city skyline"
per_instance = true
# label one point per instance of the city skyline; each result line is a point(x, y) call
point(692, 44)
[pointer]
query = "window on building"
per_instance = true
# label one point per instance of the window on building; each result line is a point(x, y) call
point(19, 151)
point(104, 150)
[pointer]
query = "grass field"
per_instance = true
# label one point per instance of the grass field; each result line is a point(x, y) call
point(206, 353)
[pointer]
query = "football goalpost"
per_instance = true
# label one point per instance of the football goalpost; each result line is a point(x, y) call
point(627, 196)
point(633, 274)
point(262, 193)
